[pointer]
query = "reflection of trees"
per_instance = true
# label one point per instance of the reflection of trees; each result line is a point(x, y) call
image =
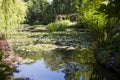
point(74, 71)
point(72, 62)
point(101, 73)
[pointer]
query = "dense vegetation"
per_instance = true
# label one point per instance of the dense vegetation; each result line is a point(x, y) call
point(12, 13)
point(102, 19)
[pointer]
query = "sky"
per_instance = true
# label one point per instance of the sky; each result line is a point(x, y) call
point(49, 0)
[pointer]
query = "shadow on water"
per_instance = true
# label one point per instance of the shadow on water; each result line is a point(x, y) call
point(101, 73)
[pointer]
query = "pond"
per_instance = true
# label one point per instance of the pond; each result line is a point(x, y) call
point(64, 65)
point(56, 56)
point(37, 71)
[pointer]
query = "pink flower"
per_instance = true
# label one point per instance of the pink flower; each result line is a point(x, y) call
point(4, 45)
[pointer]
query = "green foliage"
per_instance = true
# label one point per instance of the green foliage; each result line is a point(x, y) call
point(103, 55)
point(112, 9)
point(86, 56)
point(39, 12)
point(108, 56)
point(65, 6)
point(58, 26)
point(94, 20)
point(43, 12)
point(101, 17)
point(98, 22)
point(12, 13)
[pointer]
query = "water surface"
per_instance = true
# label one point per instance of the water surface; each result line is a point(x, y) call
point(38, 71)
point(57, 65)
point(58, 56)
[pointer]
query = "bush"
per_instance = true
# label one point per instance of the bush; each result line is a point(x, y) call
point(58, 26)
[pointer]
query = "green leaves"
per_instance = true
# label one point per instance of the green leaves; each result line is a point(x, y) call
point(93, 19)
point(37, 11)
point(58, 26)
point(12, 13)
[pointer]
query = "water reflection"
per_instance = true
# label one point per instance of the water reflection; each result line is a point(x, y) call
point(59, 64)
point(101, 73)
point(38, 71)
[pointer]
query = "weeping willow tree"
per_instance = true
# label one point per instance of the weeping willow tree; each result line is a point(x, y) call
point(12, 13)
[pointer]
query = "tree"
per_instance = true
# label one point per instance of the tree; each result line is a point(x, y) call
point(12, 13)
point(65, 6)
point(36, 11)
point(102, 19)
point(92, 19)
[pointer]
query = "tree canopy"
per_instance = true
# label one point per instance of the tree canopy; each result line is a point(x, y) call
point(36, 11)
point(12, 13)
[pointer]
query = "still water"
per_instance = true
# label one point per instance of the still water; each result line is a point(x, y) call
point(38, 71)
point(61, 66)
point(57, 65)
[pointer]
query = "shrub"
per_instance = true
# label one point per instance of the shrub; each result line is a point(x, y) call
point(58, 26)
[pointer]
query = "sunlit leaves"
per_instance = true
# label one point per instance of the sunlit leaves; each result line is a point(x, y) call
point(93, 19)
point(12, 13)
